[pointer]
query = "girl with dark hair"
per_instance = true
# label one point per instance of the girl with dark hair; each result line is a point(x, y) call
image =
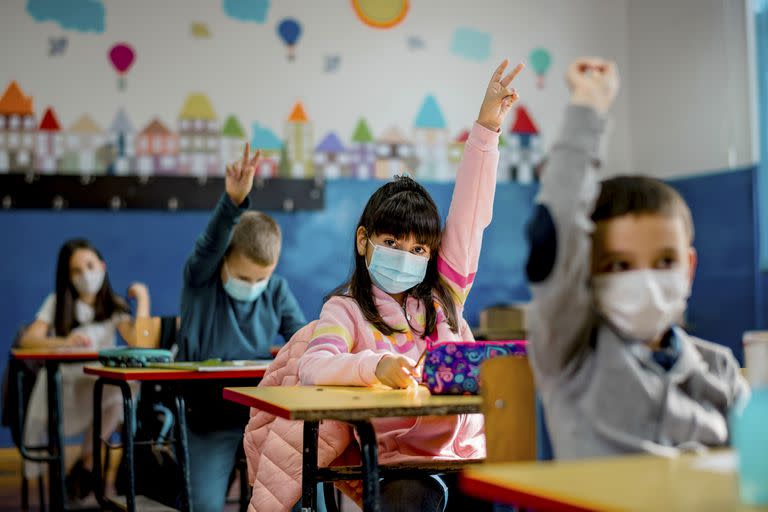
point(409, 281)
point(84, 311)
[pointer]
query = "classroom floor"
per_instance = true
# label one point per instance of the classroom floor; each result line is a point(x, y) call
point(10, 482)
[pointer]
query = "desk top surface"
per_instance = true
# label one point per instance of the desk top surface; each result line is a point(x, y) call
point(55, 354)
point(153, 374)
point(637, 482)
point(350, 403)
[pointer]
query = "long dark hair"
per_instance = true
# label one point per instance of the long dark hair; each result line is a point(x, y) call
point(107, 301)
point(401, 208)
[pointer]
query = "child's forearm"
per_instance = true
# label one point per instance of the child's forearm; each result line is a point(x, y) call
point(320, 367)
point(37, 341)
point(143, 306)
point(211, 246)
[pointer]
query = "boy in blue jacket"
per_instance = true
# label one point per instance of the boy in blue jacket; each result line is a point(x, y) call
point(233, 306)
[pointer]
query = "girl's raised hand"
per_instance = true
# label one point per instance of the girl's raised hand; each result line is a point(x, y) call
point(239, 180)
point(499, 97)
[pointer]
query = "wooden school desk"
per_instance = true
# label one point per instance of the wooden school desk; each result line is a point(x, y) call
point(51, 359)
point(628, 483)
point(356, 406)
point(120, 377)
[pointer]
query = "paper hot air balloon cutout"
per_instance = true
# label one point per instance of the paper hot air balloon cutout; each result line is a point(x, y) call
point(383, 14)
point(289, 31)
point(122, 57)
point(540, 60)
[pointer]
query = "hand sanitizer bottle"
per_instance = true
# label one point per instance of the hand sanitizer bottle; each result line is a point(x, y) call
point(749, 421)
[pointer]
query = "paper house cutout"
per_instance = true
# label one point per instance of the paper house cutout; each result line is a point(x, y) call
point(362, 151)
point(331, 157)
point(84, 148)
point(271, 148)
point(156, 149)
point(49, 147)
point(395, 155)
point(17, 130)
point(299, 142)
point(199, 138)
point(431, 142)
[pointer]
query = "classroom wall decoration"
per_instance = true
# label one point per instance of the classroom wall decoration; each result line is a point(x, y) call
point(57, 46)
point(471, 44)
point(200, 143)
point(381, 14)
point(77, 15)
point(121, 56)
point(289, 31)
point(170, 101)
point(540, 60)
point(254, 11)
point(199, 30)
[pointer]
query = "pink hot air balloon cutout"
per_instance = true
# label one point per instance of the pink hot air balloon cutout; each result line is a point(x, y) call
point(122, 56)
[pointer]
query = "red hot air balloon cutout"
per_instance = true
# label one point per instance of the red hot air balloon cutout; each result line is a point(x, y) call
point(122, 56)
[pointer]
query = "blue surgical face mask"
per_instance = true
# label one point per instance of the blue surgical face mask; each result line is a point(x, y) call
point(243, 290)
point(396, 271)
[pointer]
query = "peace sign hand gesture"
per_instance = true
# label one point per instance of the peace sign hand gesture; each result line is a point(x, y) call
point(499, 97)
point(239, 180)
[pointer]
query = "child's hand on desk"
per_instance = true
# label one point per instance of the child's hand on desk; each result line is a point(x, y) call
point(594, 82)
point(396, 372)
point(239, 180)
point(77, 339)
point(499, 97)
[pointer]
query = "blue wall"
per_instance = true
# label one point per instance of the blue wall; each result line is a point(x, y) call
point(727, 291)
point(152, 247)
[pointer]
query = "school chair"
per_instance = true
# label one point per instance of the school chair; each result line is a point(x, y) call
point(510, 410)
point(156, 332)
point(160, 332)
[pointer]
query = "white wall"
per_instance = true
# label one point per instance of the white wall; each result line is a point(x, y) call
point(244, 71)
point(684, 106)
point(689, 86)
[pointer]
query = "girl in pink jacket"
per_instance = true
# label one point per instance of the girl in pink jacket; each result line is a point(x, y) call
point(408, 286)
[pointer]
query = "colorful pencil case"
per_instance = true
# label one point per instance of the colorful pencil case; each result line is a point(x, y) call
point(453, 367)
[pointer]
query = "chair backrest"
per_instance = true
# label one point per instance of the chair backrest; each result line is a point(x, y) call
point(156, 332)
point(509, 406)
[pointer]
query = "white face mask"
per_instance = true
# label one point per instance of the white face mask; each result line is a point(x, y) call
point(89, 282)
point(642, 304)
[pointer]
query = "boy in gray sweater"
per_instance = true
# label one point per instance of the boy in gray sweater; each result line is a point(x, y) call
point(610, 269)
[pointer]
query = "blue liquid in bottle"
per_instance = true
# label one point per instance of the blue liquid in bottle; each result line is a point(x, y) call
point(749, 433)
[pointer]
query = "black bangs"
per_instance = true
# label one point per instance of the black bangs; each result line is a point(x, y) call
point(403, 207)
point(407, 213)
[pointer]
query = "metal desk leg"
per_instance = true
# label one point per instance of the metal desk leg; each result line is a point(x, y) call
point(55, 437)
point(129, 428)
point(370, 465)
point(309, 467)
point(98, 483)
point(182, 449)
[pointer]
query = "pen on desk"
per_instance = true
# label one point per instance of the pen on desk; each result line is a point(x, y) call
point(420, 361)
